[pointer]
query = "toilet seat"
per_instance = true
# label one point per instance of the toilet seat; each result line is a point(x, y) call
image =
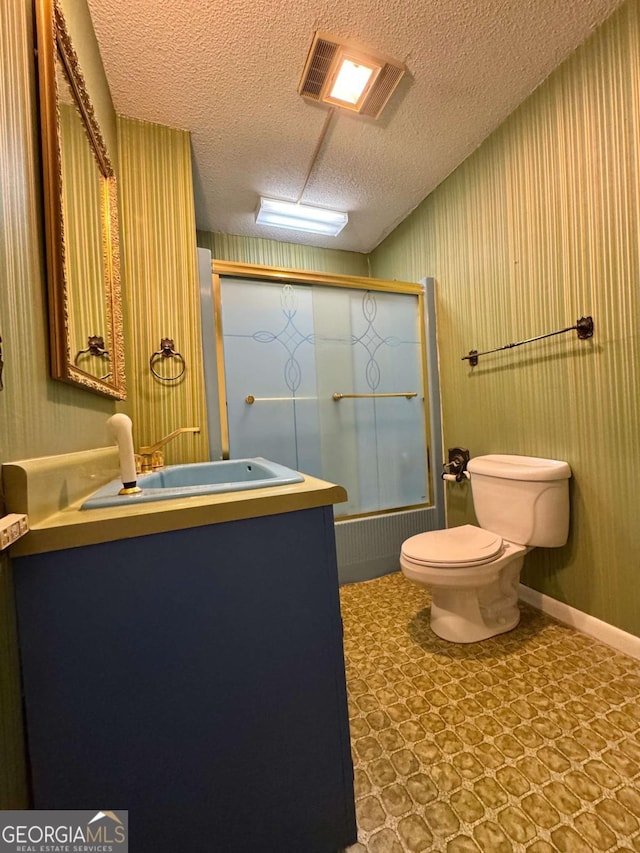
point(457, 547)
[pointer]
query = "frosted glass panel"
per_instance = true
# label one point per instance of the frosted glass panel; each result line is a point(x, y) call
point(292, 347)
point(376, 444)
point(269, 353)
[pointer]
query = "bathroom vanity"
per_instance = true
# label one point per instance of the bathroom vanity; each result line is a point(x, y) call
point(193, 674)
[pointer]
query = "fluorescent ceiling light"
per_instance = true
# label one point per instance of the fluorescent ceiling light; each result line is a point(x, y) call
point(301, 217)
point(352, 80)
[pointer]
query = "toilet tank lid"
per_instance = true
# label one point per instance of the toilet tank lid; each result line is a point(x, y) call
point(507, 467)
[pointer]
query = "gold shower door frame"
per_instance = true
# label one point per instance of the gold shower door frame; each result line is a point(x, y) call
point(284, 275)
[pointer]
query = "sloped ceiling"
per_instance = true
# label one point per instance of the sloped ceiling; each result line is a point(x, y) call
point(229, 71)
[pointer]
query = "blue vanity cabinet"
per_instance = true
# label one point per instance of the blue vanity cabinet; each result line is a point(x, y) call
point(195, 678)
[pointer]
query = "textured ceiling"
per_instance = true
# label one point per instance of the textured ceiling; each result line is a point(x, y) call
point(228, 71)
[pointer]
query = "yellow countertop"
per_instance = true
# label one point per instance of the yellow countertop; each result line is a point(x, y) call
point(51, 490)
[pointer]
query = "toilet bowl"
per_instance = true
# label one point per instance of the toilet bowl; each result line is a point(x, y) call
point(473, 575)
point(474, 571)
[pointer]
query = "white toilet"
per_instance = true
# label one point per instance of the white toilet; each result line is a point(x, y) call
point(521, 502)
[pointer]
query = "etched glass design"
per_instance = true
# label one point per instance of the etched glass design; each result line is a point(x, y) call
point(291, 348)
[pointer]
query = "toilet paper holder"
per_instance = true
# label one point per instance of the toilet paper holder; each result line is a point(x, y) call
point(456, 466)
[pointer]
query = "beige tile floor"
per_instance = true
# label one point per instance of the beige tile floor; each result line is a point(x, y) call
point(529, 741)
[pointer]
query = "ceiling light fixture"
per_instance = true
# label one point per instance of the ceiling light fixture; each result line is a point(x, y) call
point(353, 80)
point(301, 217)
point(371, 78)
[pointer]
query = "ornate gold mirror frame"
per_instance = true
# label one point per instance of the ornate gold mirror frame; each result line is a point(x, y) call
point(81, 220)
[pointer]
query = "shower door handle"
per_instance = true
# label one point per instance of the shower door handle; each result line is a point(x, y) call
point(408, 394)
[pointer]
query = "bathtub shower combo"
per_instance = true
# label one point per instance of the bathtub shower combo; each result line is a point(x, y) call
point(335, 379)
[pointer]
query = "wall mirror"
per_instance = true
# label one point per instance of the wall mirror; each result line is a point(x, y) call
point(81, 218)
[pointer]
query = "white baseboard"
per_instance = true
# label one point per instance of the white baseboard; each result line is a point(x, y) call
point(629, 644)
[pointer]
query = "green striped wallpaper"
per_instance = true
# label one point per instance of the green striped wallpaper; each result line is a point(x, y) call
point(538, 227)
point(160, 265)
point(40, 416)
point(255, 250)
point(84, 259)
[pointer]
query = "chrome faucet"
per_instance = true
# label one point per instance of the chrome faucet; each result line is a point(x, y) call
point(151, 457)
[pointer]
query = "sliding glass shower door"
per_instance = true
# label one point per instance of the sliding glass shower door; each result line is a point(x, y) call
point(329, 380)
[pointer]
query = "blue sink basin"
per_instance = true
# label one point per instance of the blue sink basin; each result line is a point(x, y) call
point(202, 478)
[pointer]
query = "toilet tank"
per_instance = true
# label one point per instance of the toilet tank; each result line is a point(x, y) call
point(523, 498)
